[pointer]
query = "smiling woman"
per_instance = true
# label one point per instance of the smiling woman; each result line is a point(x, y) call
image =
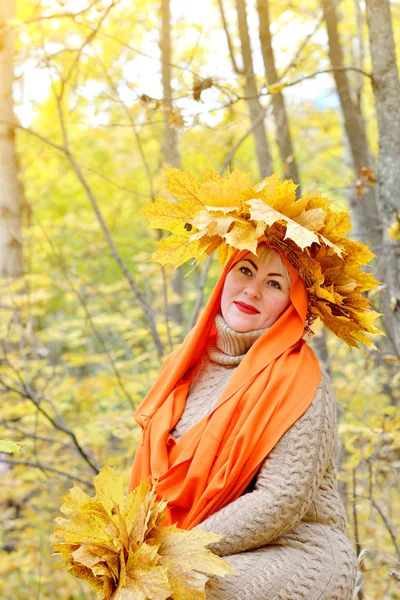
point(239, 430)
point(256, 291)
point(239, 434)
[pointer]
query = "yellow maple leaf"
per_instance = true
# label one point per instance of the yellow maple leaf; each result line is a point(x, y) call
point(266, 188)
point(207, 244)
point(220, 193)
point(169, 215)
point(186, 548)
point(185, 187)
point(275, 88)
point(225, 251)
point(180, 552)
point(175, 250)
point(313, 219)
point(280, 196)
point(337, 226)
point(120, 545)
point(145, 577)
point(317, 201)
point(211, 223)
point(295, 209)
point(242, 236)
point(210, 173)
point(260, 211)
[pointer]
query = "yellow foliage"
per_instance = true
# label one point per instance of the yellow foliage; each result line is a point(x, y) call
point(120, 545)
point(394, 230)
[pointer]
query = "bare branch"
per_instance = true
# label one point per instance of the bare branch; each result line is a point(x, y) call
point(89, 39)
point(133, 126)
point(46, 468)
point(64, 15)
point(41, 438)
point(228, 39)
point(240, 141)
point(200, 295)
point(25, 391)
point(141, 53)
point(384, 518)
point(300, 49)
point(117, 257)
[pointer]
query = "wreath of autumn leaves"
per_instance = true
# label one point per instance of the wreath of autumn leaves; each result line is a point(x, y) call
point(225, 213)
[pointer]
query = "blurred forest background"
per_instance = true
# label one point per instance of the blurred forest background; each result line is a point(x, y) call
point(96, 96)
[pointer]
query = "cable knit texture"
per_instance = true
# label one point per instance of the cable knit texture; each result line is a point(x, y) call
point(286, 535)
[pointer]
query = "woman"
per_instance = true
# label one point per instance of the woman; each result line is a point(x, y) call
point(239, 433)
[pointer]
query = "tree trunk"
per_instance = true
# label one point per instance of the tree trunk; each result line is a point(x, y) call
point(358, 60)
point(256, 111)
point(283, 137)
point(10, 197)
point(170, 143)
point(386, 88)
point(365, 214)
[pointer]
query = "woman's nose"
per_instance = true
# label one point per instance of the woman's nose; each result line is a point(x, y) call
point(252, 290)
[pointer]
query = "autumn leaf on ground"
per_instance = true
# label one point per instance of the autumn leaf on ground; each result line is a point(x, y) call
point(121, 547)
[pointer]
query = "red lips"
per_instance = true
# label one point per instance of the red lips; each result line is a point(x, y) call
point(246, 308)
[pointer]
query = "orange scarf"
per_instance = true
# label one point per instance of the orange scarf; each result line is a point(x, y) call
point(215, 460)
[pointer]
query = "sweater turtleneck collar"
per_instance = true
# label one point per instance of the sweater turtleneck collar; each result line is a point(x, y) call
point(230, 346)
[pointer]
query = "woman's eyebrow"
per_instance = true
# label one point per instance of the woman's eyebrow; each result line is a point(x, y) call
point(251, 262)
point(256, 268)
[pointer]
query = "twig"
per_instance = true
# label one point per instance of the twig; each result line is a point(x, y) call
point(45, 468)
point(64, 15)
point(331, 70)
point(87, 41)
point(380, 511)
point(29, 394)
point(35, 436)
point(228, 39)
point(200, 294)
point(132, 123)
point(301, 48)
point(233, 150)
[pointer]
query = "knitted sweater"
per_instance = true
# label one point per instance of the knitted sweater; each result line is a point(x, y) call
point(271, 533)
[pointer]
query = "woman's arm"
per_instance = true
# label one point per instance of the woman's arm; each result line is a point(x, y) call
point(286, 482)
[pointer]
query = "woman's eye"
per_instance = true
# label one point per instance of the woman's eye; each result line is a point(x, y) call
point(245, 270)
point(274, 284)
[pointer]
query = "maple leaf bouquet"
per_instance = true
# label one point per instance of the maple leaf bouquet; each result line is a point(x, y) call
point(119, 545)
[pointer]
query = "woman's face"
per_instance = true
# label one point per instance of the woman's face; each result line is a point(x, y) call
point(256, 292)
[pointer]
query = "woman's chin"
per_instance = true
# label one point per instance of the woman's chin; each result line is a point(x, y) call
point(242, 324)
